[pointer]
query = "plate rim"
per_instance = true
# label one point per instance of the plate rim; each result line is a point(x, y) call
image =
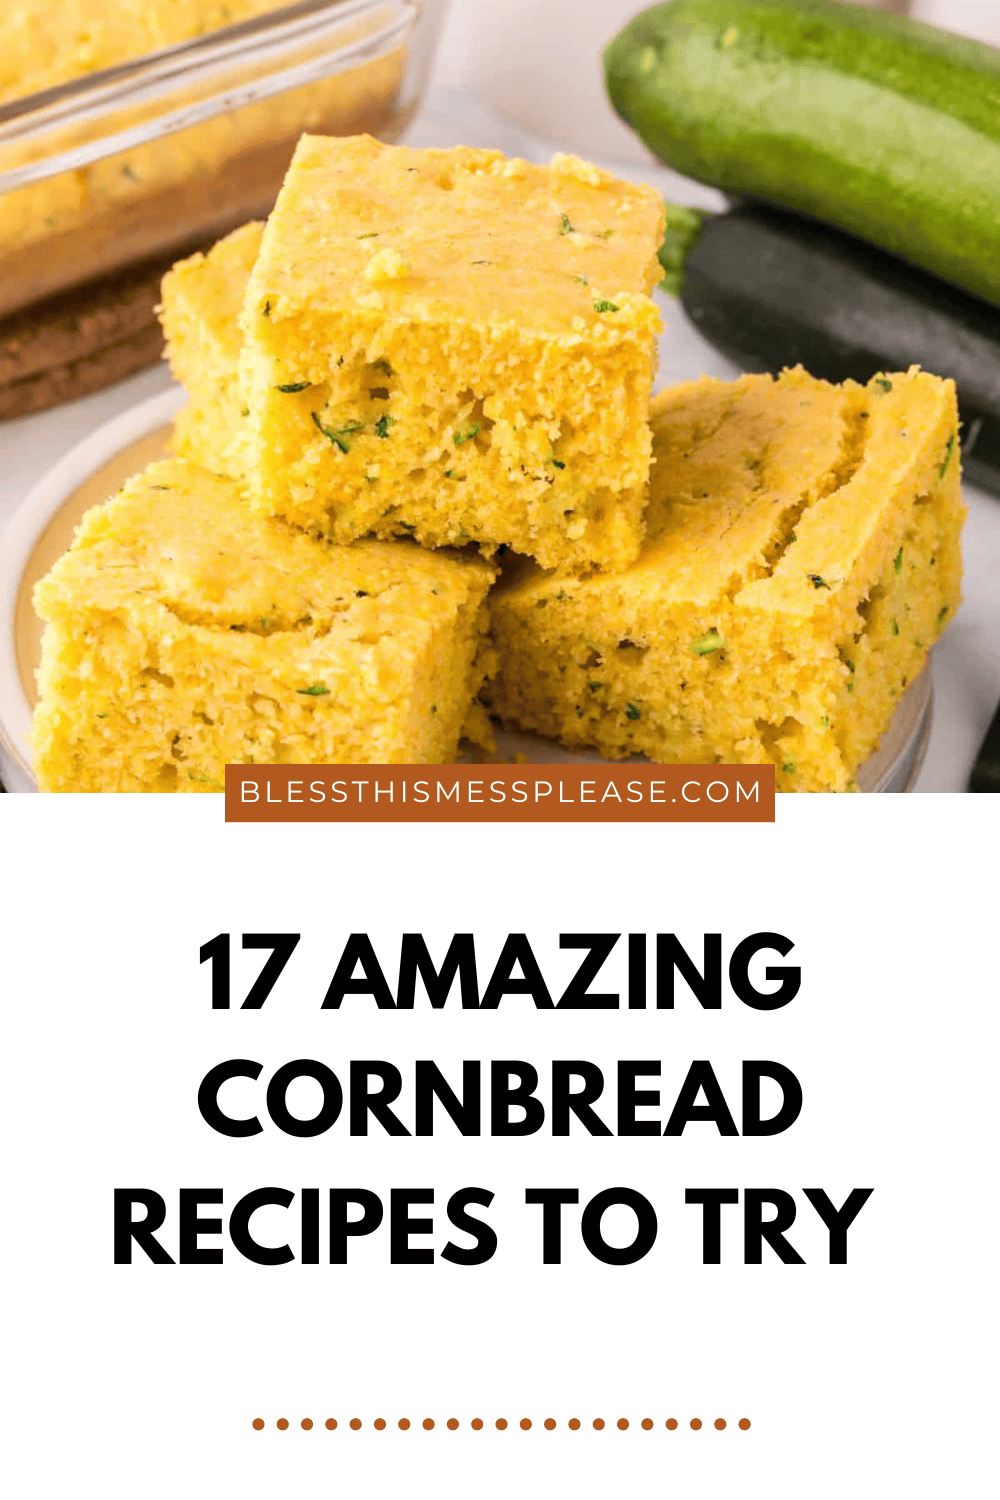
point(25, 528)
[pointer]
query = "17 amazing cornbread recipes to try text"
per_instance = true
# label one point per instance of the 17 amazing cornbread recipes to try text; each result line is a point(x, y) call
point(422, 478)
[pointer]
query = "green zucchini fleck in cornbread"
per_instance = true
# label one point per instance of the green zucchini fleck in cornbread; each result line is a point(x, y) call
point(457, 346)
point(183, 632)
point(802, 556)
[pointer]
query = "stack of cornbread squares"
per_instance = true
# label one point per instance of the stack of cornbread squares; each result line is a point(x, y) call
point(421, 474)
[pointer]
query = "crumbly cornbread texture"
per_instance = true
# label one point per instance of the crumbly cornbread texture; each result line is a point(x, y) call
point(802, 556)
point(184, 633)
point(455, 345)
point(201, 300)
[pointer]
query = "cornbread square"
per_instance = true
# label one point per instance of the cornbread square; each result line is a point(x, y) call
point(200, 305)
point(802, 555)
point(184, 633)
point(454, 345)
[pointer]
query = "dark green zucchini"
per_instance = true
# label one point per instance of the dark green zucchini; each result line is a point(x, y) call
point(986, 771)
point(875, 123)
point(769, 289)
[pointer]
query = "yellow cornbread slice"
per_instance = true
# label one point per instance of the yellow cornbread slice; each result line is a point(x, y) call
point(802, 555)
point(455, 345)
point(201, 300)
point(184, 633)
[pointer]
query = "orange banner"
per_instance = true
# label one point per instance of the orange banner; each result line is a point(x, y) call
point(500, 794)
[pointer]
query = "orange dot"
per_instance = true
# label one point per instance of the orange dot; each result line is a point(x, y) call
point(501, 1424)
point(695, 1424)
point(306, 1424)
point(647, 1423)
point(525, 1424)
point(428, 1424)
point(744, 1424)
point(476, 1424)
point(258, 1423)
point(452, 1423)
point(573, 1424)
point(355, 1424)
point(550, 1423)
point(404, 1424)
point(623, 1424)
point(282, 1423)
point(598, 1424)
point(671, 1424)
point(331, 1424)
point(720, 1424)
point(380, 1424)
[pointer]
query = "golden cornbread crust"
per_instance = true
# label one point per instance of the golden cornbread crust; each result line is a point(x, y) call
point(454, 345)
point(184, 633)
point(199, 310)
point(802, 556)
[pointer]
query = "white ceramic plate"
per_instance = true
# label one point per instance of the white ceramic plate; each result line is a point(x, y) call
point(42, 530)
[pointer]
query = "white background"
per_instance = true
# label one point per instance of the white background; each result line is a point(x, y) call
point(876, 1377)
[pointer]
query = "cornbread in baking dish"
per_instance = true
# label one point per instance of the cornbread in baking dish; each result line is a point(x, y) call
point(172, 190)
point(802, 556)
point(457, 346)
point(182, 633)
point(201, 300)
point(48, 42)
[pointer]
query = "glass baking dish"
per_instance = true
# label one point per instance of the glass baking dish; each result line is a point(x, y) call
point(170, 151)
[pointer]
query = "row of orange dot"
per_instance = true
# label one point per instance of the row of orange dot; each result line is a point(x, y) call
point(647, 1424)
